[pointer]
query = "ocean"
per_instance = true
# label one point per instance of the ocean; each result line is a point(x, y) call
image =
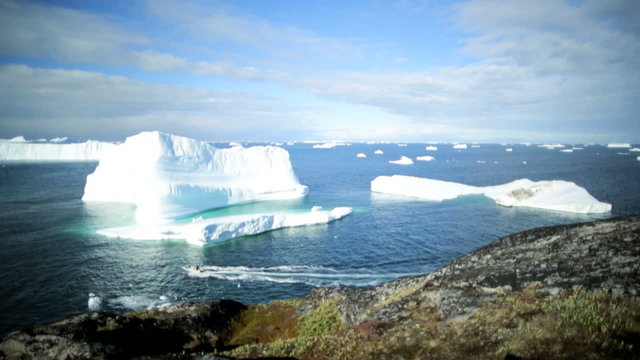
point(51, 258)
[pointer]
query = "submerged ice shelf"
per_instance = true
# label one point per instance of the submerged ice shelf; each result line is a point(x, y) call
point(551, 195)
point(207, 231)
point(168, 176)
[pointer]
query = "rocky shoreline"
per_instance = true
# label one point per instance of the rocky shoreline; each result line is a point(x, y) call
point(504, 300)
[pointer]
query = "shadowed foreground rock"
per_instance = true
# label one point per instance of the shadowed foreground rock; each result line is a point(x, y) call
point(170, 333)
point(533, 294)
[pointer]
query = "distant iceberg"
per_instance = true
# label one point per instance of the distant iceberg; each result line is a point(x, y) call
point(378, 152)
point(19, 149)
point(635, 150)
point(619, 145)
point(460, 146)
point(207, 231)
point(168, 176)
point(404, 160)
point(361, 155)
point(551, 195)
point(431, 148)
point(324, 146)
point(425, 158)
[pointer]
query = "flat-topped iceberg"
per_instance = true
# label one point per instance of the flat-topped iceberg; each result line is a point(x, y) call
point(619, 145)
point(460, 146)
point(207, 231)
point(551, 195)
point(168, 176)
point(18, 149)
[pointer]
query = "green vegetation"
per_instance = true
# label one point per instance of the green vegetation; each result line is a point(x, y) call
point(529, 324)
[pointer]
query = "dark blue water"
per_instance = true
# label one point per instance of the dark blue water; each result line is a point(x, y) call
point(51, 258)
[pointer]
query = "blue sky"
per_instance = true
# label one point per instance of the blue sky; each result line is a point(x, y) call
point(480, 70)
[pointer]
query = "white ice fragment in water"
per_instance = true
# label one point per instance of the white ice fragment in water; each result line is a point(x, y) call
point(168, 176)
point(94, 302)
point(508, 149)
point(328, 145)
point(619, 145)
point(566, 150)
point(425, 158)
point(361, 155)
point(404, 160)
point(635, 150)
point(378, 152)
point(431, 148)
point(460, 146)
point(551, 195)
point(227, 227)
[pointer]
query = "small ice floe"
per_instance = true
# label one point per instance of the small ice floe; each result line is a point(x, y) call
point(431, 148)
point(324, 146)
point(508, 149)
point(480, 161)
point(566, 150)
point(361, 155)
point(619, 145)
point(378, 152)
point(524, 162)
point(460, 146)
point(634, 149)
point(425, 158)
point(404, 160)
point(402, 145)
point(94, 302)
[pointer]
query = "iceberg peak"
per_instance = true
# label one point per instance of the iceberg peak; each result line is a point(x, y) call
point(169, 176)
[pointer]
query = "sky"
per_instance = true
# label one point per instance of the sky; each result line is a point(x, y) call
point(405, 70)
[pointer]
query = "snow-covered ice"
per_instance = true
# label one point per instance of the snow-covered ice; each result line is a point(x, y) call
point(378, 152)
point(460, 146)
point(431, 148)
point(425, 158)
point(551, 195)
point(404, 160)
point(18, 149)
point(508, 149)
point(619, 145)
point(206, 231)
point(168, 176)
point(361, 155)
point(635, 150)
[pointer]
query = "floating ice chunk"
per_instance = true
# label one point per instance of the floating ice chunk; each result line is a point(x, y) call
point(59, 140)
point(425, 158)
point(475, 146)
point(460, 146)
point(328, 145)
point(404, 160)
point(94, 302)
point(524, 162)
point(224, 228)
point(29, 151)
point(361, 155)
point(168, 176)
point(635, 150)
point(378, 152)
point(402, 145)
point(431, 148)
point(619, 145)
point(18, 139)
point(233, 143)
point(508, 149)
point(566, 150)
point(638, 158)
point(551, 195)
point(480, 161)
point(552, 146)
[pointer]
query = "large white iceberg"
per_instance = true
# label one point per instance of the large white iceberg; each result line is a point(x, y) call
point(168, 176)
point(206, 231)
point(18, 149)
point(551, 195)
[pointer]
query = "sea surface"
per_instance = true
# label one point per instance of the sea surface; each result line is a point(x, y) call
point(51, 258)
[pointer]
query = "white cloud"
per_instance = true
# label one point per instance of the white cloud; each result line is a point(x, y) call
point(87, 104)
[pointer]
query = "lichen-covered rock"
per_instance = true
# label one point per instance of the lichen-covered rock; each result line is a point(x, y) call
point(595, 255)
